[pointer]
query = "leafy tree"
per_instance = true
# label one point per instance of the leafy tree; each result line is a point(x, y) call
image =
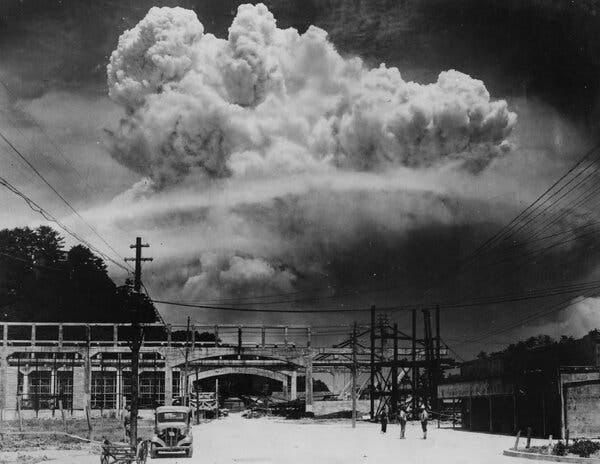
point(41, 281)
point(87, 285)
point(30, 263)
point(531, 343)
point(131, 305)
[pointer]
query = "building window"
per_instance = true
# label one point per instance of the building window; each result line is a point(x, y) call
point(152, 389)
point(64, 388)
point(39, 390)
point(104, 390)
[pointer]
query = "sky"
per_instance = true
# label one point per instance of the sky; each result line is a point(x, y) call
point(271, 167)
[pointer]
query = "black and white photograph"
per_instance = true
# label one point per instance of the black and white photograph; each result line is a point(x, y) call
point(299, 231)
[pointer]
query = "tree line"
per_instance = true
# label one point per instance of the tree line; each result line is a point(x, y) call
point(41, 280)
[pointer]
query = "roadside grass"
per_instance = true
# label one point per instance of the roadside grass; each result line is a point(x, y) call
point(102, 428)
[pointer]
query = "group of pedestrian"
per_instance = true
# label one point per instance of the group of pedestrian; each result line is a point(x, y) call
point(402, 418)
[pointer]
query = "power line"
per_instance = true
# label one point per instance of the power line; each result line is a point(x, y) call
point(49, 217)
point(555, 308)
point(564, 195)
point(523, 215)
point(535, 204)
point(62, 198)
point(484, 301)
point(529, 293)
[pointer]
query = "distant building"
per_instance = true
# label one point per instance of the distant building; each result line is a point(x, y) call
point(551, 389)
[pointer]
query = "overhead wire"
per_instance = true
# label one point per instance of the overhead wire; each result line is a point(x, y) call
point(60, 196)
point(588, 160)
point(50, 218)
point(535, 204)
point(36, 123)
point(482, 301)
point(553, 309)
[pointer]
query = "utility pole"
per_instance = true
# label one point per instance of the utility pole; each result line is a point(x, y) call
point(137, 336)
point(372, 364)
point(394, 399)
point(438, 360)
point(415, 370)
point(428, 396)
point(354, 373)
point(186, 385)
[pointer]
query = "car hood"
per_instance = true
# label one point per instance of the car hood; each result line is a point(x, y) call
point(171, 425)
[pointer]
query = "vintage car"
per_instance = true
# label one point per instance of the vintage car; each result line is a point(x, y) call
point(172, 431)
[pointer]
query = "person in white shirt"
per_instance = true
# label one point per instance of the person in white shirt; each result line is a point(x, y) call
point(402, 418)
point(424, 417)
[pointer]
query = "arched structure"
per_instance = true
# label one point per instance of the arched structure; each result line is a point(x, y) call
point(278, 376)
point(286, 377)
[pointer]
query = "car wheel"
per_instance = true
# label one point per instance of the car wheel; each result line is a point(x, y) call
point(153, 452)
point(189, 452)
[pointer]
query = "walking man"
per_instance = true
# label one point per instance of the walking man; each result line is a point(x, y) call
point(402, 417)
point(384, 421)
point(424, 417)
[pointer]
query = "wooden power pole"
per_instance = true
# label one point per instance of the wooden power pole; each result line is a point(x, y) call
point(137, 336)
point(372, 365)
point(186, 385)
point(354, 374)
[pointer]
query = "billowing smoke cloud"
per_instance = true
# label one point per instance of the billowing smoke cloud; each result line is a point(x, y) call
point(582, 316)
point(271, 102)
point(273, 164)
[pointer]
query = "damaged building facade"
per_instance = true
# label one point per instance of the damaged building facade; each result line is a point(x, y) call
point(46, 366)
point(554, 390)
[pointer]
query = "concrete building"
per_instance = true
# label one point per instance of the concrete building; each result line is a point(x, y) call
point(552, 389)
point(89, 365)
point(81, 365)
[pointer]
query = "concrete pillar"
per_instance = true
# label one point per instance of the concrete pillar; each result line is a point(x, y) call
point(3, 382)
point(53, 381)
point(10, 387)
point(263, 336)
point(25, 387)
point(285, 388)
point(168, 384)
point(115, 335)
point(33, 334)
point(309, 383)
point(294, 389)
point(119, 389)
point(79, 400)
point(87, 370)
point(5, 335)
point(60, 335)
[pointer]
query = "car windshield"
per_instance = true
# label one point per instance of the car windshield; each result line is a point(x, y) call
point(172, 416)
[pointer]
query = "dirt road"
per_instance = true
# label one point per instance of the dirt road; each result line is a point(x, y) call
point(276, 441)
